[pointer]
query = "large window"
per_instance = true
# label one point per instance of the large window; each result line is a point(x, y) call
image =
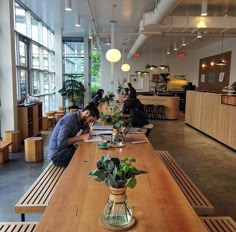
point(74, 62)
point(35, 58)
point(20, 19)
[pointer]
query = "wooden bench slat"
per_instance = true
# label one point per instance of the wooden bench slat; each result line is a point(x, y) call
point(189, 188)
point(46, 187)
point(36, 199)
point(37, 186)
point(17, 226)
point(195, 197)
point(48, 190)
point(219, 224)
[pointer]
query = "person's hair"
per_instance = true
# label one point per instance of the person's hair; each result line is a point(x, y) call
point(99, 92)
point(126, 91)
point(130, 85)
point(92, 108)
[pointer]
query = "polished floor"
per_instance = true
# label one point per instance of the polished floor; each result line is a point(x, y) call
point(211, 166)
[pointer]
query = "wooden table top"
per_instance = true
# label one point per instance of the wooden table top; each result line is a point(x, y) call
point(157, 202)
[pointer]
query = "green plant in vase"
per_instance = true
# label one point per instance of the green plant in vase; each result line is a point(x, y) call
point(120, 126)
point(108, 98)
point(118, 174)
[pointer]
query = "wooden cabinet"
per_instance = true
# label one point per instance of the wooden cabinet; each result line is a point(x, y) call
point(30, 120)
point(205, 112)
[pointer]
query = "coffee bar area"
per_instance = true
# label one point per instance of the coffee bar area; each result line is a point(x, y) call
point(161, 88)
point(212, 109)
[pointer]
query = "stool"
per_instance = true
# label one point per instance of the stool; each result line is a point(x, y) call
point(149, 110)
point(33, 149)
point(62, 108)
point(45, 123)
point(4, 151)
point(58, 116)
point(160, 112)
point(14, 137)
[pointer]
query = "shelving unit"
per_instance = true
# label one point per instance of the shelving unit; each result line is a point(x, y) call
point(30, 120)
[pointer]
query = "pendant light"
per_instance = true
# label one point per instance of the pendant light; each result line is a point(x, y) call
point(204, 8)
point(124, 67)
point(221, 61)
point(68, 5)
point(77, 20)
point(113, 55)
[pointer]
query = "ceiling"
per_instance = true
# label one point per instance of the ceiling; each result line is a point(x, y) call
point(174, 19)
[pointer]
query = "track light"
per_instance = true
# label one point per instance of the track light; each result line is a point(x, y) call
point(175, 47)
point(221, 61)
point(183, 42)
point(68, 5)
point(204, 8)
point(90, 35)
point(199, 35)
point(77, 20)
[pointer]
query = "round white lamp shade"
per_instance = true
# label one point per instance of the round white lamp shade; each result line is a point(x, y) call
point(113, 55)
point(125, 67)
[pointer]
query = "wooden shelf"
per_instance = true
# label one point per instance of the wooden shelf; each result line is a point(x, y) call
point(30, 120)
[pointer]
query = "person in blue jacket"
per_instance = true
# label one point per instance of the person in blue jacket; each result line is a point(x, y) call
point(61, 143)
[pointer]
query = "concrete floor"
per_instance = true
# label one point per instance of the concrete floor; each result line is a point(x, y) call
point(210, 165)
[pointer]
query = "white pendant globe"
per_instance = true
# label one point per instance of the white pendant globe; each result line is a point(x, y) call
point(125, 67)
point(113, 55)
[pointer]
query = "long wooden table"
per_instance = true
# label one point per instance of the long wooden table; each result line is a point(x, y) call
point(157, 202)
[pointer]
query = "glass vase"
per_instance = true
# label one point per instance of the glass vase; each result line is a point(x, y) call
point(117, 138)
point(117, 212)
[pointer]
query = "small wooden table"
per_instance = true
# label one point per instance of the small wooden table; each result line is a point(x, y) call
point(157, 202)
point(4, 151)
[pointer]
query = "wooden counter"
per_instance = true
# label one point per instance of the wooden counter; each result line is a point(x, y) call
point(205, 112)
point(171, 104)
point(157, 202)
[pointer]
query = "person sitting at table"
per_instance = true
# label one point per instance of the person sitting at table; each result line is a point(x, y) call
point(125, 94)
point(132, 91)
point(98, 96)
point(135, 108)
point(61, 143)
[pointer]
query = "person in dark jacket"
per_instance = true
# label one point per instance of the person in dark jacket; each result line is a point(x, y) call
point(132, 91)
point(135, 108)
point(98, 96)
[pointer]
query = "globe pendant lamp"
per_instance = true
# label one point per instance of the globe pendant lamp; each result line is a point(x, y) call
point(125, 67)
point(113, 55)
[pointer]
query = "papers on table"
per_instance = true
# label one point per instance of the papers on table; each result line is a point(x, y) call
point(101, 132)
point(99, 127)
point(94, 139)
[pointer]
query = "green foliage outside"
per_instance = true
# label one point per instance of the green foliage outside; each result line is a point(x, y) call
point(95, 72)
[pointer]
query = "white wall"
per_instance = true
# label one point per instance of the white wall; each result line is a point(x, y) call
point(188, 66)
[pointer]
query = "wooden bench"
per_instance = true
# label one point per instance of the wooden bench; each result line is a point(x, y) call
point(36, 199)
point(4, 151)
point(17, 226)
point(195, 197)
point(219, 224)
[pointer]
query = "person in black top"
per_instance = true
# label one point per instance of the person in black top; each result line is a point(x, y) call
point(132, 91)
point(135, 108)
point(98, 96)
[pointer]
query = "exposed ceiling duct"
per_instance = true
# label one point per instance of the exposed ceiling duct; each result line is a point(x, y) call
point(161, 10)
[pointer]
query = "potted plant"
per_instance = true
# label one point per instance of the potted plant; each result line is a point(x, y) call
point(120, 126)
point(118, 174)
point(73, 90)
point(108, 98)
